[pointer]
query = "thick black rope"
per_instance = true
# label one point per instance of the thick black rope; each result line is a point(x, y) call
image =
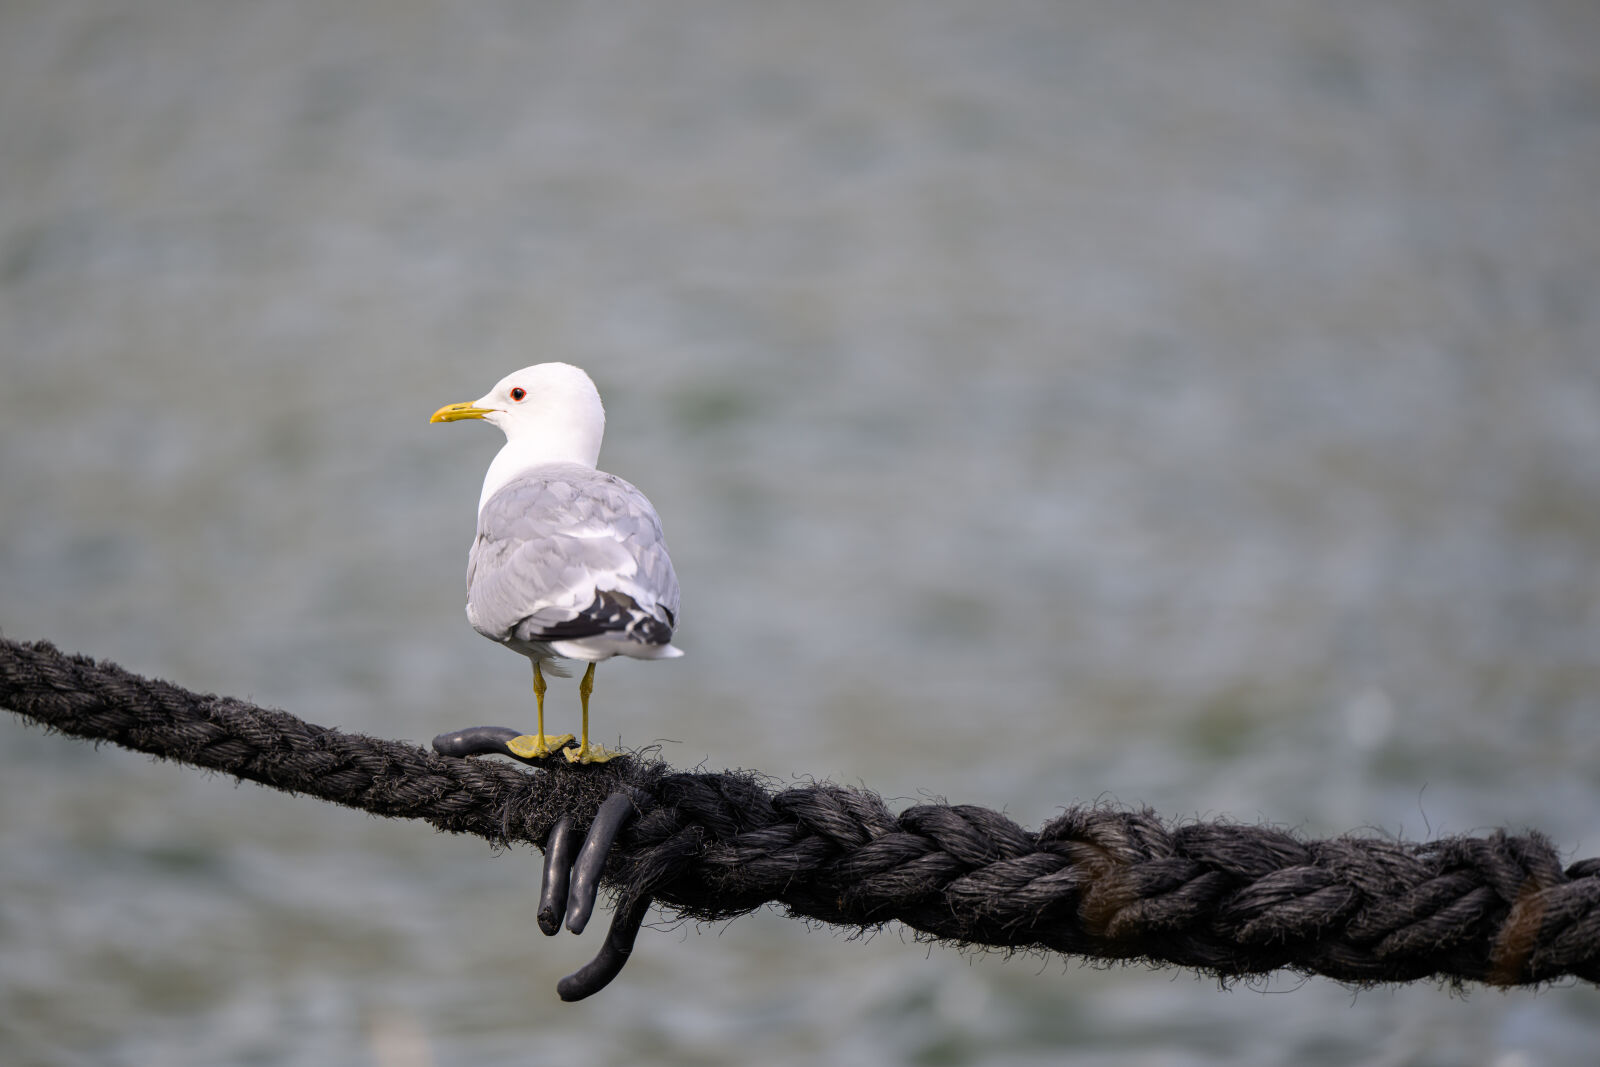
point(1096, 882)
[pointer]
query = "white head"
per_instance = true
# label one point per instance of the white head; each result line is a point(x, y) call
point(550, 413)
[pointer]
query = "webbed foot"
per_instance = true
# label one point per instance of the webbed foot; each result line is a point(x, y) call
point(591, 753)
point(538, 746)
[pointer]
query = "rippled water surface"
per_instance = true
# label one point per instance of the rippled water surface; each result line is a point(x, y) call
point(1171, 404)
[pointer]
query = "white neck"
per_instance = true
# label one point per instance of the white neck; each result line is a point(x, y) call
point(528, 451)
point(551, 429)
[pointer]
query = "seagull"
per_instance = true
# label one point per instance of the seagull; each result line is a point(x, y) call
point(568, 562)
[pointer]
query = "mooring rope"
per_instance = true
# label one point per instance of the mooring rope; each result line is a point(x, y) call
point(1097, 882)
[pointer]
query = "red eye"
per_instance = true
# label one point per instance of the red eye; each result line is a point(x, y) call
point(518, 393)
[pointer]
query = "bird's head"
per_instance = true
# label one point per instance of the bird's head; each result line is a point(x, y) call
point(552, 408)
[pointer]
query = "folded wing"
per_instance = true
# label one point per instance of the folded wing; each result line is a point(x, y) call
point(566, 552)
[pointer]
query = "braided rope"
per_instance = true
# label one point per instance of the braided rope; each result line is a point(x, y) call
point(1098, 882)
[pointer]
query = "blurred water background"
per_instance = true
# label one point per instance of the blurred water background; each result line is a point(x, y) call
point(1193, 405)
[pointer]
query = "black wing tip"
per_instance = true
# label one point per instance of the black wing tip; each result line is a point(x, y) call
point(611, 612)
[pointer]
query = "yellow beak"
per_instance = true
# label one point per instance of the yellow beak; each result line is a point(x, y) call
point(457, 412)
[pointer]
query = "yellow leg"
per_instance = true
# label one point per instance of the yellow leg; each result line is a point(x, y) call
point(537, 746)
point(586, 752)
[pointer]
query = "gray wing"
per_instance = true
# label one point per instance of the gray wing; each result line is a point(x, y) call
point(564, 552)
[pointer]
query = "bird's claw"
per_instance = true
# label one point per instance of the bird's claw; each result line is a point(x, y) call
point(572, 873)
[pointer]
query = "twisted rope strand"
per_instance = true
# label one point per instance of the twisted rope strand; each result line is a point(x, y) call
point(1109, 884)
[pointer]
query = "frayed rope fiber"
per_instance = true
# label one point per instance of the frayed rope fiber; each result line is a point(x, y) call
point(1096, 882)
